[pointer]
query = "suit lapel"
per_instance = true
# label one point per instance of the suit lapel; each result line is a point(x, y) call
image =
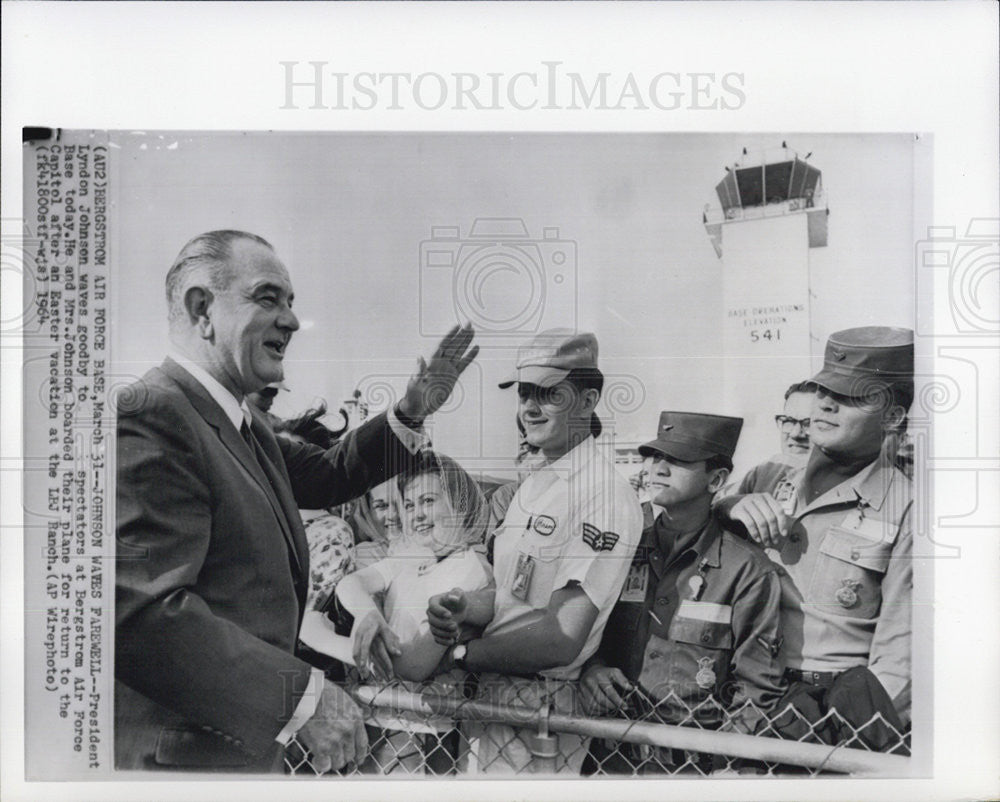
point(274, 465)
point(213, 414)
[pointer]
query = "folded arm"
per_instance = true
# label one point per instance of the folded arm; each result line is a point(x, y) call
point(375, 644)
point(543, 639)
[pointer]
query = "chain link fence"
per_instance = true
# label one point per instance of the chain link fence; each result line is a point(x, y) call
point(503, 726)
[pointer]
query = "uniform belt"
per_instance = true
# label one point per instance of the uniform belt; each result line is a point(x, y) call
point(822, 678)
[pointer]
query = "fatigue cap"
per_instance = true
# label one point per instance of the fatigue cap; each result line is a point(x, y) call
point(551, 355)
point(694, 436)
point(860, 362)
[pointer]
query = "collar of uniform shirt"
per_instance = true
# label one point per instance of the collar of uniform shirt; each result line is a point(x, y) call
point(872, 483)
point(707, 544)
point(572, 462)
point(236, 411)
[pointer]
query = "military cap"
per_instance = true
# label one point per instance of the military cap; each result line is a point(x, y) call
point(551, 355)
point(861, 361)
point(694, 436)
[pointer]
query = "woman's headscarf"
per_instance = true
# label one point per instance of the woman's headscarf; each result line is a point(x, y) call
point(464, 496)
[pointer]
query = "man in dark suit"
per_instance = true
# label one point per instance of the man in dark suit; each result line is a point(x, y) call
point(212, 562)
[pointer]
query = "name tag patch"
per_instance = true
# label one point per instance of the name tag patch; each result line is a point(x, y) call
point(705, 611)
point(636, 583)
point(544, 525)
point(522, 577)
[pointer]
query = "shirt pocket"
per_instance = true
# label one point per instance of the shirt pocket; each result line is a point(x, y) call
point(708, 634)
point(703, 647)
point(848, 578)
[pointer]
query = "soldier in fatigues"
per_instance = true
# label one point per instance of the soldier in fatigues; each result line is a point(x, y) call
point(840, 527)
point(696, 624)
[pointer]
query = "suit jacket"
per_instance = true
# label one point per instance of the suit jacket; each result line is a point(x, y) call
point(212, 570)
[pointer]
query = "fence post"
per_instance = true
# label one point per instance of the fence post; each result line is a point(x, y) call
point(543, 746)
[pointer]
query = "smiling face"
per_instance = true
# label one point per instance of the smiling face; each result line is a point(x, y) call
point(384, 509)
point(672, 482)
point(550, 416)
point(430, 521)
point(250, 322)
point(795, 438)
point(848, 428)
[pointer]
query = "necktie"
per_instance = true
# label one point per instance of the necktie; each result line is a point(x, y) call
point(248, 438)
point(262, 462)
point(254, 447)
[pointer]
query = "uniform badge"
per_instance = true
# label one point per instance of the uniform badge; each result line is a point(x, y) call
point(784, 491)
point(634, 589)
point(598, 540)
point(770, 645)
point(545, 525)
point(706, 675)
point(522, 577)
point(847, 595)
point(696, 584)
point(423, 568)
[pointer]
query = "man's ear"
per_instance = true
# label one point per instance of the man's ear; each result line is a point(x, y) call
point(893, 419)
point(197, 304)
point(718, 480)
point(589, 399)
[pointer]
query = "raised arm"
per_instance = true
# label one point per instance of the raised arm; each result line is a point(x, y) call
point(384, 446)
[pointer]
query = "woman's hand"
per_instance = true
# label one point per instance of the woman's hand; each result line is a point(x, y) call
point(375, 644)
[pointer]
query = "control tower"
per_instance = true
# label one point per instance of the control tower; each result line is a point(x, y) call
point(772, 211)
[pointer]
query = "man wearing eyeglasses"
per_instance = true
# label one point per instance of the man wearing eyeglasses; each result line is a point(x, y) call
point(793, 423)
point(839, 525)
point(793, 429)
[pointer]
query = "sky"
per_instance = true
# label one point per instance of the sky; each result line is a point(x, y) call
point(615, 245)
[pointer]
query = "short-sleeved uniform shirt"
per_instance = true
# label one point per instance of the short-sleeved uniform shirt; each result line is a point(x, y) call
point(847, 587)
point(576, 521)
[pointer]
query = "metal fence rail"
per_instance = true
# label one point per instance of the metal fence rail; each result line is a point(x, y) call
point(429, 732)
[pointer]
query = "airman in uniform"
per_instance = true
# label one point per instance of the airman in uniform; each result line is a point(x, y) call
point(840, 527)
point(560, 558)
point(696, 626)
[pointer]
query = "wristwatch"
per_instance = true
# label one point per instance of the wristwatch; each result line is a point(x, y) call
point(458, 656)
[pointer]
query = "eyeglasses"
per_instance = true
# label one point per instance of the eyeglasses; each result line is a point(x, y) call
point(787, 423)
